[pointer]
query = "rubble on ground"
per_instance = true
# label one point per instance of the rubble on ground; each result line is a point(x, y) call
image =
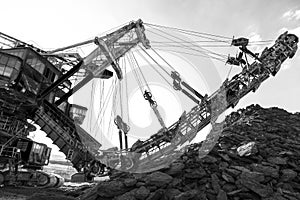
point(257, 157)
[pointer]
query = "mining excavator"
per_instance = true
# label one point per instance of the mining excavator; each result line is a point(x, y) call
point(36, 85)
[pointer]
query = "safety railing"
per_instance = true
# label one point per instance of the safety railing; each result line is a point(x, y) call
point(10, 152)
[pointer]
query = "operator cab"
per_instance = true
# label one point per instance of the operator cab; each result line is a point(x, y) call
point(77, 113)
point(35, 61)
point(9, 68)
point(33, 155)
point(29, 71)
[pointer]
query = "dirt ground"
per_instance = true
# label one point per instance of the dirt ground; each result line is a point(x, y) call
point(66, 192)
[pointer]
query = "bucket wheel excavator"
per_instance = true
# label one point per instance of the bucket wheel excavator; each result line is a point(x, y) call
point(35, 87)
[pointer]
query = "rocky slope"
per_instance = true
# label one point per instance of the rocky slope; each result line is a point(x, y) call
point(256, 157)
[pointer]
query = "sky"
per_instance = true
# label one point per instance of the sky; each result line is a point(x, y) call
point(57, 23)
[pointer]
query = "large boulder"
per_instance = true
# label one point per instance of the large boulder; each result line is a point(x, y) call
point(158, 179)
point(111, 188)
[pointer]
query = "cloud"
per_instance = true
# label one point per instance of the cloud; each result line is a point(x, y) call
point(286, 65)
point(295, 31)
point(255, 37)
point(291, 15)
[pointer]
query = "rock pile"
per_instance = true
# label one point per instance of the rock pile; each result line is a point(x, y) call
point(257, 157)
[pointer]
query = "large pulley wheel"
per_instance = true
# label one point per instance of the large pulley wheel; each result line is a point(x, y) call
point(42, 179)
point(95, 168)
